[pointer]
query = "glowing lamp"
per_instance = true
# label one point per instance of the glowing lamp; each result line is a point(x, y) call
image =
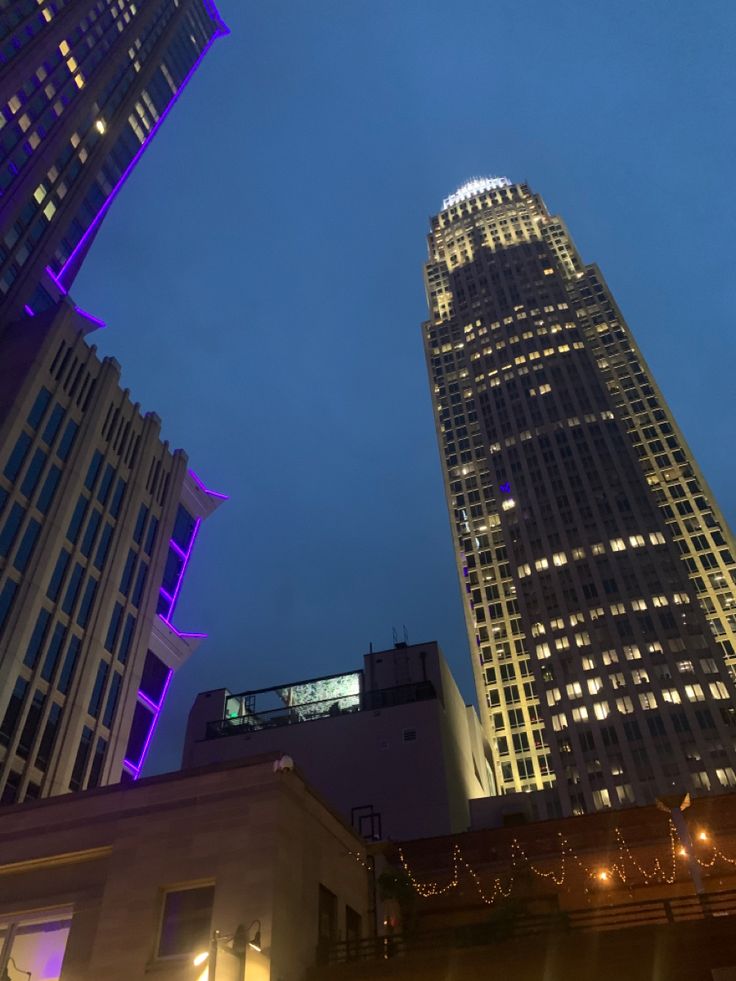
point(201, 958)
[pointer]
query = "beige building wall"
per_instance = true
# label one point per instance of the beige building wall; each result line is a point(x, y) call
point(89, 498)
point(108, 858)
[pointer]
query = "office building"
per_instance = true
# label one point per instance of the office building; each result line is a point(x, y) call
point(597, 572)
point(392, 747)
point(123, 883)
point(98, 521)
point(84, 86)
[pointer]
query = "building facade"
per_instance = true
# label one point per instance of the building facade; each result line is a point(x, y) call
point(98, 521)
point(84, 86)
point(124, 883)
point(392, 747)
point(597, 572)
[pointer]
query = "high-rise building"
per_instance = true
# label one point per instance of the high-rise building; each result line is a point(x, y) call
point(98, 517)
point(84, 86)
point(98, 520)
point(597, 571)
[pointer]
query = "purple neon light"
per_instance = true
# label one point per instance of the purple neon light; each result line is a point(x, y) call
point(88, 316)
point(206, 490)
point(29, 311)
point(214, 13)
point(183, 634)
point(92, 228)
point(56, 280)
point(128, 764)
point(187, 557)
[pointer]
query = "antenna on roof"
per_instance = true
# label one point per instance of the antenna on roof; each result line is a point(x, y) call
point(406, 635)
point(396, 636)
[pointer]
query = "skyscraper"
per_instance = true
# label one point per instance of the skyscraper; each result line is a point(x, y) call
point(84, 86)
point(597, 572)
point(98, 517)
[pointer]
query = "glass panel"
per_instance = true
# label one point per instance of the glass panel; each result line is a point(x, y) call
point(38, 949)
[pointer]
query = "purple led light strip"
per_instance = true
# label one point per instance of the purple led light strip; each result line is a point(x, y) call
point(187, 557)
point(88, 316)
point(210, 493)
point(56, 280)
point(134, 770)
point(221, 30)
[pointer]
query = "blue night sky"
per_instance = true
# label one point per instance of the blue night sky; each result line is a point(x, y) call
point(261, 279)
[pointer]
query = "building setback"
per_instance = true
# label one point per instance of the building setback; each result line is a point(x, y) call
point(84, 86)
point(98, 520)
point(597, 573)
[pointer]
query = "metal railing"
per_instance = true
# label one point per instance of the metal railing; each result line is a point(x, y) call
point(508, 925)
point(288, 715)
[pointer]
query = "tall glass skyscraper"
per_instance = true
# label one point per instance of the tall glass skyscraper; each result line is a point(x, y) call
point(597, 572)
point(98, 516)
point(84, 86)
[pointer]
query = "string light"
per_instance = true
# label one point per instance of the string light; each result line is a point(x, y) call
point(661, 871)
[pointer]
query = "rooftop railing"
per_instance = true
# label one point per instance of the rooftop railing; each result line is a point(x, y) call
point(288, 715)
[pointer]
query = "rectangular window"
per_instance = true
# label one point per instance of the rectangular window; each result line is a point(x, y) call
point(117, 497)
point(112, 699)
point(70, 663)
point(27, 544)
point(28, 734)
point(127, 638)
point(33, 473)
point(17, 457)
point(12, 713)
point(7, 595)
point(95, 771)
point(104, 489)
point(57, 575)
point(48, 490)
point(103, 547)
point(94, 469)
point(140, 583)
point(37, 638)
point(67, 440)
point(52, 426)
point(183, 528)
point(185, 922)
point(154, 678)
point(10, 529)
point(46, 745)
point(72, 589)
point(87, 600)
point(140, 524)
point(36, 944)
point(114, 627)
point(54, 650)
point(39, 408)
point(140, 729)
point(151, 535)
point(127, 576)
point(76, 523)
point(96, 699)
point(91, 532)
point(80, 763)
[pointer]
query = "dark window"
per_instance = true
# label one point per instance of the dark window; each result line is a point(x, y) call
point(353, 930)
point(112, 699)
point(70, 663)
point(39, 407)
point(185, 923)
point(52, 655)
point(10, 529)
point(87, 600)
point(33, 473)
point(140, 524)
point(103, 546)
point(114, 627)
point(37, 638)
point(7, 729)
point(140, 583)
point(76, 523)
point(52, 426)
point(95, 771)
point(327, 917)
point(46, 745)
point(143, 719)
point(154, 678)
point(67, 440)
point(27, 544)
point(183, 528)
point(117, 497)
point(58, 575)
point(48, 490)
point(30, 728)
point(16, 458)
point(127, 638)
point(94, 469)
point(127, 576)
point(96, 699)
point(7, 595)
point(91, 532)
point(72, 589)
point(151, 535)
point(172, 572)
point(80, 763)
